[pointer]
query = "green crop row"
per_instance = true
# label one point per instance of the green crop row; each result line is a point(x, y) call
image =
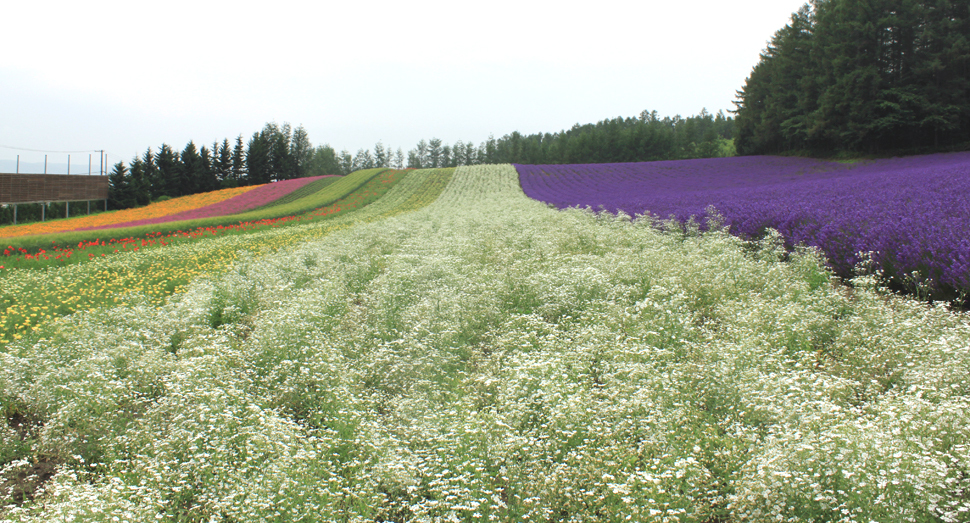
point(31, 298)
point(327, 195)
point(303, 192)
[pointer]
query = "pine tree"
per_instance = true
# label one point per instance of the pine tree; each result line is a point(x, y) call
point(301, 151)
point(168, 172)
point(119, 188)
point(190, 171)
point(446, 159)
point(381, 156)
point(139, 183)
point(420, 155)
point(258, 163)
point(324, 161)
point(362, 160)
point(207, 180)
point(346, 162)
point(434, 153)
point(223, 162)
point(239, 171)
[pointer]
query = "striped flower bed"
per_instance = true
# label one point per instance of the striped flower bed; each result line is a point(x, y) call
point(115, 219)
point(257, 197)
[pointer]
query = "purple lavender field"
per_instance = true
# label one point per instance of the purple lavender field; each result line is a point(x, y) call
point(912, 213)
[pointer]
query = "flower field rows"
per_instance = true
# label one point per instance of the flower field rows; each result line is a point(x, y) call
point(29, 298)
point(319, 199)
point(457, 351)
point(912, 214)
point(259, 196)
point(154, 211)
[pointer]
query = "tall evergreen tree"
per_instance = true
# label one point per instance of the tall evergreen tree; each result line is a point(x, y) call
point(223, 162)
point(168, 169)
point(420, 155)
point(324, 161)
point(207, 178)
point(190, 172)
point(258, 159)
point(381, 156)
point(239, 170)
point(446, 159)
point(139, 182)
point(861, 76)
point(346, 162)
point(434, 153)
point(301, 150)
point(362, 160)
point(120, 194)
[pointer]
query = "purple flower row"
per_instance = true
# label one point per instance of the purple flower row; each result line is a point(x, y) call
point(913, 213)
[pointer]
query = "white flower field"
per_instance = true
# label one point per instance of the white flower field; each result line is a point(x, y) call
point(488, 358)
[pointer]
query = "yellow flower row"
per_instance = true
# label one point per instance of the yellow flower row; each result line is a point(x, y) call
point(30, 298)
point(155, 210)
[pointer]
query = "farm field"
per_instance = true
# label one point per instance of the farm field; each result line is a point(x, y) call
point(458, 351)
point(155, 211)
point(912, 215)
point(300, 201)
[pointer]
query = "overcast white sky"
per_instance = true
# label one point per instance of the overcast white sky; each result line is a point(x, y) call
point(125, 76)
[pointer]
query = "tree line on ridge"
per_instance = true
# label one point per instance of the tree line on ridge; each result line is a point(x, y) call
point(279, 152)
point(861, 76)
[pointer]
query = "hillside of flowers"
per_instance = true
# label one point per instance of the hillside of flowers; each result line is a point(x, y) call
point(157, 211)
point(457, 351)
point(267, 206)
point(28, 297)
point(907, 219)
point(258, 196)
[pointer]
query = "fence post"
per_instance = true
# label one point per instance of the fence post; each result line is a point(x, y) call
point(15, 214)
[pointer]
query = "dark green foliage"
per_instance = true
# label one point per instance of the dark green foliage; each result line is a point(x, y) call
point(645, 138)
point(166, 173)
point(301, 150)
point(239, 171)
point(121, 195)
point(190, 171)
point(258, 164)
point(275, 153)
point(323, 161)
point(862, 76)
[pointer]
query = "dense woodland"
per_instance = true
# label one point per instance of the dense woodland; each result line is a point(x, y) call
point(861, 76)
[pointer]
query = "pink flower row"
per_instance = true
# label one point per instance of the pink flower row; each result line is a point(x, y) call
point(257, 197)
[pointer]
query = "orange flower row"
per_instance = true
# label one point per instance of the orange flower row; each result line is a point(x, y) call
point(155, 210)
